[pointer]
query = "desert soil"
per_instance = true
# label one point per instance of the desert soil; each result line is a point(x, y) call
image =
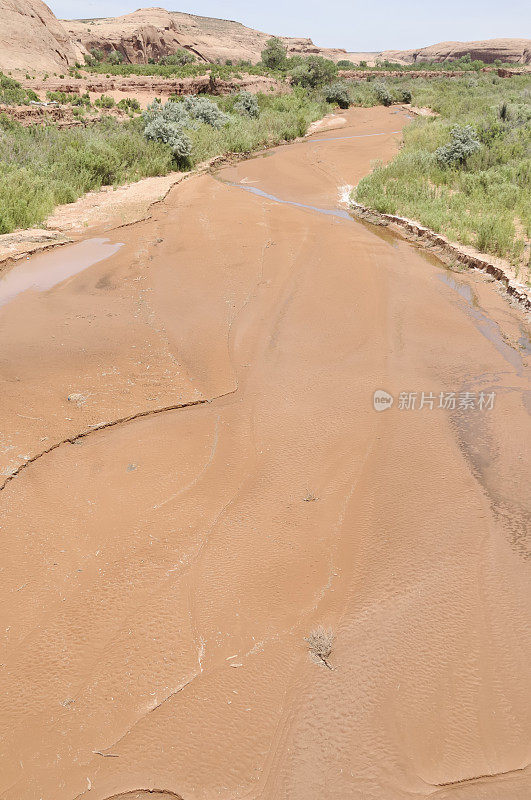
point(159, 575)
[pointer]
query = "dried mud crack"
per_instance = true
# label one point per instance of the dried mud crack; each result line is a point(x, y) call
point(111, 424)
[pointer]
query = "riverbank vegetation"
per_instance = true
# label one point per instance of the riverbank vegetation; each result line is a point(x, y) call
point(44, 166)
point(467, 172)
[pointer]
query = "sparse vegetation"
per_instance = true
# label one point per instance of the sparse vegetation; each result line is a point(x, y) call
point(41, 167)
point(69, 98)
point(130, 104)
point(105, 101)
point(320, 642)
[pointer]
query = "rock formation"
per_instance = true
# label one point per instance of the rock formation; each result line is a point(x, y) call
point(155, 32)
point(32, 38)
point(506, 50)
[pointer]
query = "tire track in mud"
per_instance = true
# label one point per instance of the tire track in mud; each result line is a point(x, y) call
point(111, 424)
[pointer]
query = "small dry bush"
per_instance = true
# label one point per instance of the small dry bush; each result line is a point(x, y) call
point(320, 642)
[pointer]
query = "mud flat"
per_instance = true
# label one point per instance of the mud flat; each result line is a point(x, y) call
point(160, 575)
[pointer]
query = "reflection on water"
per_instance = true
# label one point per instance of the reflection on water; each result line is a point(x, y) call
point(43, 271)
point(310, 139)
point(330, 212)
point(485, 325)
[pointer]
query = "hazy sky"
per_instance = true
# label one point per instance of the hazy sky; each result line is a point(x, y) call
point(352, 24)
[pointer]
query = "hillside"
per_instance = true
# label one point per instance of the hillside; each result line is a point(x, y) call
point(155, 32)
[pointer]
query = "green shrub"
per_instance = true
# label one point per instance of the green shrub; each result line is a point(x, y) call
point(97, 55)
point(115, 57)
point(338, 93)
point(274, 54)
point(383, 95)
point(463, 143)
point(180, 58)
point(12, 93)
point(404, 95)
point(247, 105)
point(129, 104)
point(105, 101)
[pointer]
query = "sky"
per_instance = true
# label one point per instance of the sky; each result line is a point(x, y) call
point(355, 25)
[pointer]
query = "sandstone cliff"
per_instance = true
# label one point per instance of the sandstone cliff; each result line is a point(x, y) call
point(155, 32)
point(517, 51)
point(32, 38)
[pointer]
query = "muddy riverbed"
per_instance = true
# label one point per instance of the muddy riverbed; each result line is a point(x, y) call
point(194, 477)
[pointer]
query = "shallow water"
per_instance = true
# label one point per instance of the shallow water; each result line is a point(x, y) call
point(42, 272)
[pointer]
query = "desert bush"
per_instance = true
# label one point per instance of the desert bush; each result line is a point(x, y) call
point(345, 64)
point(115, 57)
point(404, 95)
point(69, 98)
point(247, 105)
point(97, 55)
point(129, 104)
point(172, 134)
point(180, 58)
point(205, 110)
point(320, 642)
point(274, 54)
point(383, 95)
point(105, 101)
point(463, 143)
point(338, 93)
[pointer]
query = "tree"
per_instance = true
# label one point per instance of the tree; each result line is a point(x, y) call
point(315, 71)
point(274, 54)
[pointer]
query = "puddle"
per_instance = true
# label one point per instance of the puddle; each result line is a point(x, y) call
point(343, 138)
point(42, 272)
point(486, 326)
point(524, 342)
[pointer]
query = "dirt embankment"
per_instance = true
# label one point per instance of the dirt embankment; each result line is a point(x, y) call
point(146, 88)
